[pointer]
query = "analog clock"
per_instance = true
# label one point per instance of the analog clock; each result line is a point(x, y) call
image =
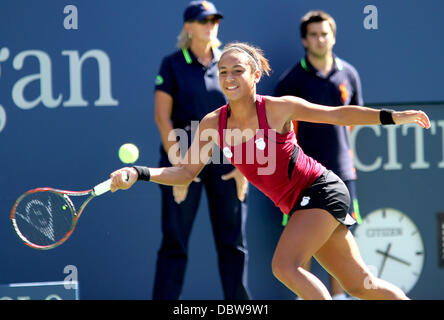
point(391, 245)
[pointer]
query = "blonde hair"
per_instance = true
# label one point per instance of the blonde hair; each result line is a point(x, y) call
point(254, 54)
point(184, 41)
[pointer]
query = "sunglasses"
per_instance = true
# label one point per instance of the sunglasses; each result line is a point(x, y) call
point(213, 20)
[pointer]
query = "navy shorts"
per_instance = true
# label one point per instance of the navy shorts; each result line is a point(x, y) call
point(330, 193)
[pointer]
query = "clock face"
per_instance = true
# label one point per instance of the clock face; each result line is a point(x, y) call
point(391, 245)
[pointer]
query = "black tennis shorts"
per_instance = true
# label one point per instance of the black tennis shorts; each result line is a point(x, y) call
point(330, 193)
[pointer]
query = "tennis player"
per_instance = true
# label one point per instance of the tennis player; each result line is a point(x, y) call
point(314, 197)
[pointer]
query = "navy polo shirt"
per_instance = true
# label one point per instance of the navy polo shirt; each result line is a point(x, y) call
point(328, 144)
point(194, 88)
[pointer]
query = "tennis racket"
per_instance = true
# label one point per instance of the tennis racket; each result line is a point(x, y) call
point(44, 218)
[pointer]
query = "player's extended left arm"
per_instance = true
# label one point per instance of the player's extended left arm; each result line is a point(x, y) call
point(355, 115)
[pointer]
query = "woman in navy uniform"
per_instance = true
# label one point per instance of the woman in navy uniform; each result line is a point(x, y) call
point(187, 88)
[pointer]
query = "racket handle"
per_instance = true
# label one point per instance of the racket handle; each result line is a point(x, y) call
point(105, 186)
point(102, 188)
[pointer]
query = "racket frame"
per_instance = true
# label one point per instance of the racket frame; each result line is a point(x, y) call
point(76, 214)
point(98, 190)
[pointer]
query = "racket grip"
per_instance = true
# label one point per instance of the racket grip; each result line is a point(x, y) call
point(105, 186)
point(102, 188)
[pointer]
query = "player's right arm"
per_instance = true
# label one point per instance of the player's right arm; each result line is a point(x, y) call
point(193, 162)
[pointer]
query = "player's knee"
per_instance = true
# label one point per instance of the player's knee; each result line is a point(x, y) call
point(284, 268)
point(361, 287)
point(279, 270)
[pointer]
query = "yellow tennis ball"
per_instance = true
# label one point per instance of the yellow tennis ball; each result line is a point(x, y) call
point(128, 153)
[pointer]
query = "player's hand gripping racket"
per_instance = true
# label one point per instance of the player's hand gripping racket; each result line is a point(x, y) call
point(44, 218)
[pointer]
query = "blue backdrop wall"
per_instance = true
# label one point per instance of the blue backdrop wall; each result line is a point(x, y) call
point(70, 97)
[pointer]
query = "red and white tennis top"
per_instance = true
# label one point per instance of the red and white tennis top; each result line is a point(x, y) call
point(273, 162)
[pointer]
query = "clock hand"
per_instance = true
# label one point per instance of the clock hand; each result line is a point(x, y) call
point(393, 257)
point(385, 254)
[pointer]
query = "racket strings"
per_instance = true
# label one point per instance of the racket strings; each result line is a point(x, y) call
point(38, 218)
point(44, 218)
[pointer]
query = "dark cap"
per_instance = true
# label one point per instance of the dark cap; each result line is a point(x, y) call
point(199, 10)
